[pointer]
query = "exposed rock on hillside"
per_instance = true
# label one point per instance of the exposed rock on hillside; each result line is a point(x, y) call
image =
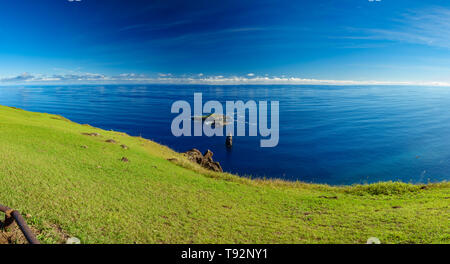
point(204, 160)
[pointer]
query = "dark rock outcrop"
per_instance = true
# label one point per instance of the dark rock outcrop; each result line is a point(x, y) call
point(91, 134)
point(229, 141)
point(204, 160)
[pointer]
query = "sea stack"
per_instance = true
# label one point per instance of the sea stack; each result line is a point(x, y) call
point(229, 141)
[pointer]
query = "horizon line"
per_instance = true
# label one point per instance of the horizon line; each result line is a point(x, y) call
point(223, 84)
point(83, 78)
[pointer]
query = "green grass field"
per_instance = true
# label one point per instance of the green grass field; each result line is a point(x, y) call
point(72, 184)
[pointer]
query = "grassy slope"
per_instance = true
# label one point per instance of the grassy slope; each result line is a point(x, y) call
point(91, 194)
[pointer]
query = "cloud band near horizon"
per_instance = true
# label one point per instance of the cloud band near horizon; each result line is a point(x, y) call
point(200, 79)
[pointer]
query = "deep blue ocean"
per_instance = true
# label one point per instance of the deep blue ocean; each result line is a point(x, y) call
point(328, 134)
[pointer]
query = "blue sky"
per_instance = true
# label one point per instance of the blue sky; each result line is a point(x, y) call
point(225, 42)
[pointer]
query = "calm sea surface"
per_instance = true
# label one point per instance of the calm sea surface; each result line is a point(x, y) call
point(334, 135)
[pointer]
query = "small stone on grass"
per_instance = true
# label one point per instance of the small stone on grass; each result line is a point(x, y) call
point(73, 240)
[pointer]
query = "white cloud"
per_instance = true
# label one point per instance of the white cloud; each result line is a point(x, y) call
point(164, 74)
point(429, 27)
point(250, 74)
point(19, 78)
